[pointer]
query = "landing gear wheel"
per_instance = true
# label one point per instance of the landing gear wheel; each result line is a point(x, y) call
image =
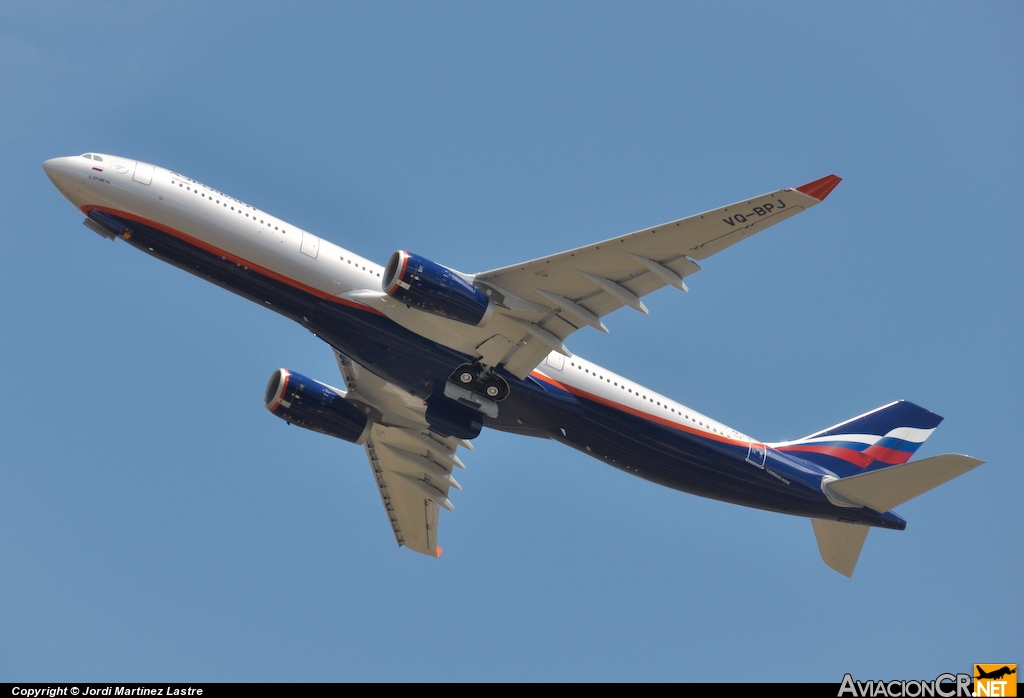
point(495, 388)
point(468, 376)
point(481, 381)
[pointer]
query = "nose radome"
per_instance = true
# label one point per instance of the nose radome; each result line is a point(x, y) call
point(57, 168)
point(67, 176)
point(50, 167)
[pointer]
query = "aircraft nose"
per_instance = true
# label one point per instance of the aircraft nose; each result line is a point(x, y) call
point(67, 175)
point(50, 167)
point(57, 170)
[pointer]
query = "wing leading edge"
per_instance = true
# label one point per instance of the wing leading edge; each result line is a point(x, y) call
point(553, 296)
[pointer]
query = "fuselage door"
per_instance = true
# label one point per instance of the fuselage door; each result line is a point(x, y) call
point(310, 244)
point(143, 173)
point(556, 361)
point(756, 454)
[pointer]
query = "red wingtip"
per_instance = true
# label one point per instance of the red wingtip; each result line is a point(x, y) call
point(439, 551)
point(820, 188)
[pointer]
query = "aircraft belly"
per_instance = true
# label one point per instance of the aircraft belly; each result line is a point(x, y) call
point(693, 464)
point(281, 297)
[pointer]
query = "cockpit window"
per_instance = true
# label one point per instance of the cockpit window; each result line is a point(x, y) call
point(87, 156)
point(97, 157)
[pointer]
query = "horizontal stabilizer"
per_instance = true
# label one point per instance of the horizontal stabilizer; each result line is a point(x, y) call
point(882, 490)
point(839, 544)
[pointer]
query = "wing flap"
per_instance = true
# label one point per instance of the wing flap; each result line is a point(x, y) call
point(413, 472)
point(527, 357)
point(605, 276)
point(412, 466)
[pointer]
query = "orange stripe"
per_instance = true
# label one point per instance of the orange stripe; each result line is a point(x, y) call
point(234, 258)
point(634, 411)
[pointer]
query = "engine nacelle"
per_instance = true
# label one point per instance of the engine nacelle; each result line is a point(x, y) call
point(314, 405)
point(434, 289)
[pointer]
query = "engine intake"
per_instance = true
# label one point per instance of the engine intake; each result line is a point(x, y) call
point(434, 289)
point(315, 406)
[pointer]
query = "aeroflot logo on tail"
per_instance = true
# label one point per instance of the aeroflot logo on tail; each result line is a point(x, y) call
point(990, 680)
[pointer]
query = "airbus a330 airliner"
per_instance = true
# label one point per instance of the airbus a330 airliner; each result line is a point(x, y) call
point(431, 355)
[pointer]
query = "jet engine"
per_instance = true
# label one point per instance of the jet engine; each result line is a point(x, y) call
point(434, 289)
point(315, 406)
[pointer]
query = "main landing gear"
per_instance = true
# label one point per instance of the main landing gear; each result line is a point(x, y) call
point(482, 381)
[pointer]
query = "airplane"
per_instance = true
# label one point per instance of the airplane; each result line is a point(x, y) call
point(430, 355)
point(995, 673)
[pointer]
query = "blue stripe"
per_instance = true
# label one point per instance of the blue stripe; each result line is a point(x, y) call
point(882, 421)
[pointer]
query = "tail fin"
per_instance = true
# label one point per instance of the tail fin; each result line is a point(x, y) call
point(881, 438)
point(840, 543)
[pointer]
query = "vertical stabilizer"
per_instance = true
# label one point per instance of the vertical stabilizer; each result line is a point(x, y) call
point(839, 544)
point(878, 439)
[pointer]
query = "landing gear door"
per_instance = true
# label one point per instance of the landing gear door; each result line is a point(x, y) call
point(756, 453)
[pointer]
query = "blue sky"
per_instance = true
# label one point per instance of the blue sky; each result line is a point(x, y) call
point(157, 524)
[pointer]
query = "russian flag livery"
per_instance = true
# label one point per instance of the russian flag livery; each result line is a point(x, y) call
point(889, 435)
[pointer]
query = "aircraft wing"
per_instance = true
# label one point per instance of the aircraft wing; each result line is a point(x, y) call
point(553, 296)
point(411, 465)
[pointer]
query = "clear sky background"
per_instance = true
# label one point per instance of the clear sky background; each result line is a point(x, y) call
point(156, 523)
